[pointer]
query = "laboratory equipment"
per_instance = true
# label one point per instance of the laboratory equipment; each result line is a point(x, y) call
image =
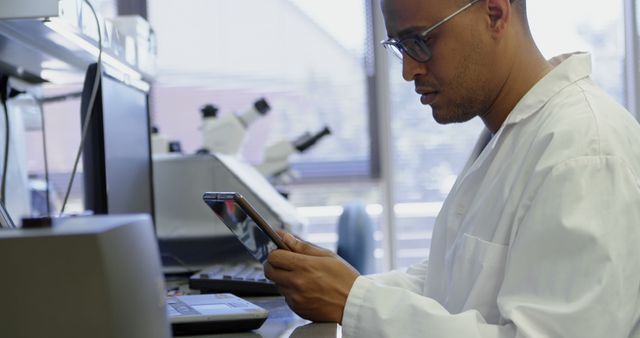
point(159, 143)
point(188, 230)
point(225, 134)
point(276, 156)
point(93, 276)
point(213, 313)
point(180, 181)
point(26, 9)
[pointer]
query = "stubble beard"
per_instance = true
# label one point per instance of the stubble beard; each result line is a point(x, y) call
point(471, 98)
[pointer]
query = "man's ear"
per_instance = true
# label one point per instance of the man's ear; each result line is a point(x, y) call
point(498, 14)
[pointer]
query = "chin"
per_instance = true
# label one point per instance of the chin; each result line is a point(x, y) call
point(443, 116)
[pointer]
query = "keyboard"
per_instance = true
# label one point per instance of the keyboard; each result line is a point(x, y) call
point(240, 279)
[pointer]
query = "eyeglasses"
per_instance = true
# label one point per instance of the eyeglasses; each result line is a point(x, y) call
point(416, 46)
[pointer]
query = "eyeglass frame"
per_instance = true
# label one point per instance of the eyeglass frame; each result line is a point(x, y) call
point(397, 45)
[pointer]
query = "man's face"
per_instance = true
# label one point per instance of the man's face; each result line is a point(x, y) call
point(456, 81)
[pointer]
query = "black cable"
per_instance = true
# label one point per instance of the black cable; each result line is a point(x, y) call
point(5, 219)
point(89, 112)
point(6, 92)
point(47, 191)
point(4, 83)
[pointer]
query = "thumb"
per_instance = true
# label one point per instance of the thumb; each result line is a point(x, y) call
point(302, 247)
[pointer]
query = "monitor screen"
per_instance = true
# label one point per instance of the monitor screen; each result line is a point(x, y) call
point(118, 167)
point(117, 154)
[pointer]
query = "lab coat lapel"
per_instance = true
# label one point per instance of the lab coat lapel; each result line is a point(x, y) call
point(478, 156)
point(531, 103)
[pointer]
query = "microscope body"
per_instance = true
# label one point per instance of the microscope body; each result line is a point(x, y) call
point(225, 134)
point(276, 158)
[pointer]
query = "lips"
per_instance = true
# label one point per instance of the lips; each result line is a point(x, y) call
point(428, 91)
point(427, 98)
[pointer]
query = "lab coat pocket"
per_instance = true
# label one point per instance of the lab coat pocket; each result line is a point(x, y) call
point(477, 271)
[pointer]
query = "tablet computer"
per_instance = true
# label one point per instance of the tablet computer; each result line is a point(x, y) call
point(243, 220)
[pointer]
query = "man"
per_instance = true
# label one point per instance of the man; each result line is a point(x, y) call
point(540, 235)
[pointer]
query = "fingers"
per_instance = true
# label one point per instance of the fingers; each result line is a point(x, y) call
point(287, 260)
point(288, 282)
point(300, 256)
point(318, 295)
point(302, 247)
point(275, 274)
point(293, 261)
point(284, 279)
point(316, 288)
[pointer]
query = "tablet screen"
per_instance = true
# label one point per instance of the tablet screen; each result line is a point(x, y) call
point(244, 227)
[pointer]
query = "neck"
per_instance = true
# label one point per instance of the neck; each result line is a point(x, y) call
point(528, 67)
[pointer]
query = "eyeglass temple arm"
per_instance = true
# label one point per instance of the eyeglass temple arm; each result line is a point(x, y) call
point(449, 17)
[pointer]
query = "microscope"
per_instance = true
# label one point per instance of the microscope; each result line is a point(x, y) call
point(276, 157)
point(225, 134)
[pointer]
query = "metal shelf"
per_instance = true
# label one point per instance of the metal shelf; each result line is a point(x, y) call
point(37, 51)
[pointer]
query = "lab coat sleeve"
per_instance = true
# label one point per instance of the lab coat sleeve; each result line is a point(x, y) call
point(572, 269)
point(413, 279)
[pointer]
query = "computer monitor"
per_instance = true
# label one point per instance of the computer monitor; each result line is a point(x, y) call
point(118, 168)
point(117, 151)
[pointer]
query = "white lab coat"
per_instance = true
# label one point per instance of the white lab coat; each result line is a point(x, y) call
point(540, 235)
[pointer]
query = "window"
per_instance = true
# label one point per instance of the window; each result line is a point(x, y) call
point(305, 57)
point(558, 28)
point(426, 160)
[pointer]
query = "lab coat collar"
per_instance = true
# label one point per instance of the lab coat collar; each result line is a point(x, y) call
point(568, 69)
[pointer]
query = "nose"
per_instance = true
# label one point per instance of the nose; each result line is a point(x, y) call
point(412, 68)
